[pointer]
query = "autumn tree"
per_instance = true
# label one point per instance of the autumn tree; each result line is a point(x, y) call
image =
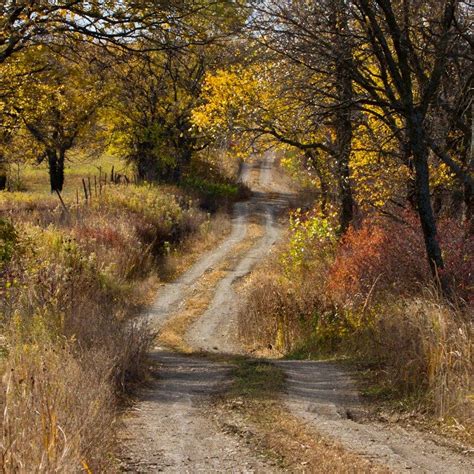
point(151, 112)
point(57, 105)
point(389, 60)
point(314, 37)
point(159, 90)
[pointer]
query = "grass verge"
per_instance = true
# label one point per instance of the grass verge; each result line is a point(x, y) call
point(253, 409)
point(72, 284)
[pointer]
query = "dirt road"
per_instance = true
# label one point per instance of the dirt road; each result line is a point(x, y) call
point(172, 428)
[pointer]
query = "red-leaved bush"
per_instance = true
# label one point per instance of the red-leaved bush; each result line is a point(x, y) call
point(387, 255)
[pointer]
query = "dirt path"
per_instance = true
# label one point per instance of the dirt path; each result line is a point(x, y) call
point(172, 428)
point(171, 431)
point(326, 398)
point(215, 330)
point(172, 294)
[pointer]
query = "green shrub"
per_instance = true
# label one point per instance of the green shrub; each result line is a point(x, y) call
point(8, 238)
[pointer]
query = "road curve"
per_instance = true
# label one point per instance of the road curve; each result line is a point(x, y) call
point(172, 294)
point(216, 329)
point(170, 429)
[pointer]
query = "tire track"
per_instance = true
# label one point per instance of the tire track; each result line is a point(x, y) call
point(216, 329)
point(173, 294)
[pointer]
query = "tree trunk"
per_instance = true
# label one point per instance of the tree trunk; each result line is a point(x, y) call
point(185, 154)
point(310, 155)
point(423, 200)
point(469, 206)
point(146, 162)
point(56, 169)
point(346, 212)
point(324, 193)
point(468, 188)
point(3, 173)
point(344, 132)
point(343, 126)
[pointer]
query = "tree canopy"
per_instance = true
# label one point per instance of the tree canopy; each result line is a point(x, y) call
point(369, 100)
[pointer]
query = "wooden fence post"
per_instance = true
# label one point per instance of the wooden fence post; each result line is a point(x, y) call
point(85, 188)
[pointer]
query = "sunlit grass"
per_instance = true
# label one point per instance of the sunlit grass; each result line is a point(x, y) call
point(34, 178)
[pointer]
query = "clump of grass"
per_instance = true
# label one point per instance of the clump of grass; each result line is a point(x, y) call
point(426, 344)
point(58, 408)
point(256, 379)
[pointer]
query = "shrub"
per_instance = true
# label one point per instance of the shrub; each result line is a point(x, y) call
point(214, 186)
point(8, 239)
point(312, 241)
point(389, 256)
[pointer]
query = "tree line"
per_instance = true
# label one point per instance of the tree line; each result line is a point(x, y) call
point(371, 99)
point(91, 76)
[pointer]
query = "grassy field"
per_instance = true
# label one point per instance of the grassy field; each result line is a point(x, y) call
point(34, 178)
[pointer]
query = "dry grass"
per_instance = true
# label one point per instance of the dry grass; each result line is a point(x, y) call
point(427, 345)
point(277, 315)
point(34, 178)
point(421, 346)
point(58, 410)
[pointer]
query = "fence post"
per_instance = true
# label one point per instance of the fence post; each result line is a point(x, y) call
point(85, 189)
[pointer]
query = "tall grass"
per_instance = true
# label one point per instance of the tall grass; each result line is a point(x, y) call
point(71, 286)
point(57, 409)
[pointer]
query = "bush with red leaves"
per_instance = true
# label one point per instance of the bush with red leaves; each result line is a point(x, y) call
point(388, 255)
